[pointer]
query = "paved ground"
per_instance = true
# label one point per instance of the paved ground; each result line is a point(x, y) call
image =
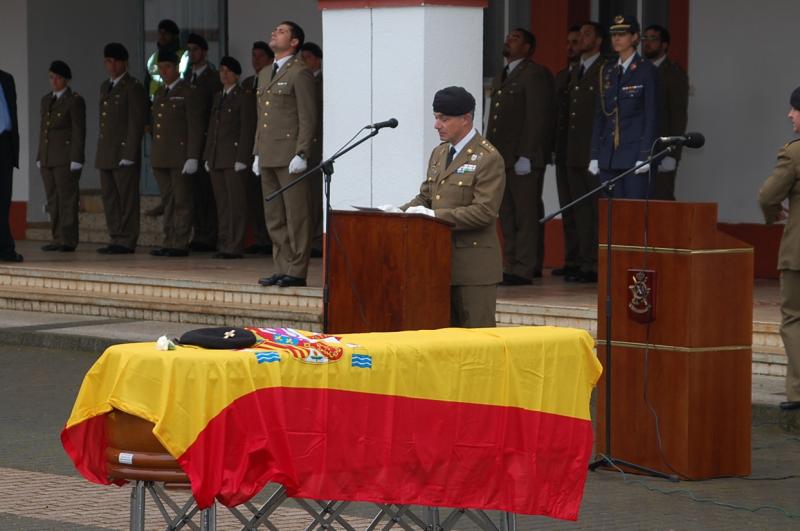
point(39, 488)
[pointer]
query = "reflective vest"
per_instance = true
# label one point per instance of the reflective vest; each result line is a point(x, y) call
point(155, 77)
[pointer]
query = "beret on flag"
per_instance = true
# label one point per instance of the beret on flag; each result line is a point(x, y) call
point(231, 64)
point(115, 50)
point(624, 24)
point(794, 101)
point(169, 25)
point(168, 56)
point(199, 40)
point(219, 338)
point(453, 101)
point(61, 68)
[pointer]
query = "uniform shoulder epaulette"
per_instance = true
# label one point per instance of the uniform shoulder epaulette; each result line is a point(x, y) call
point(789, 143)
point(486, 144)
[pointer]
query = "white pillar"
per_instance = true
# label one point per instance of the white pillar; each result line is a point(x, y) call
point(388, 62)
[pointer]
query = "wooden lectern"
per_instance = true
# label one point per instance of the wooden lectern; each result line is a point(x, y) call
point(388, 272)
point(695, 286)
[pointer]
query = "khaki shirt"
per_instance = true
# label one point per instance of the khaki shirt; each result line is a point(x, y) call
point(62, 133)
point(123, 114)
point(468, 193)
point(178, 127)
point(778, 187)
point(231, 129)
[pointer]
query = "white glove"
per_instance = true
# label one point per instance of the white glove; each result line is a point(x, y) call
point(207, 167)
point(239, 166)
point(256, 168)
point(190, 167)
point(390, 208)
point(522, 166)
point(643, 169)
point(125, 162)
point(297, 164)
point(75, 166)
point(594, 167)
point(39, 164)
point(668, 164)
point(420, 210)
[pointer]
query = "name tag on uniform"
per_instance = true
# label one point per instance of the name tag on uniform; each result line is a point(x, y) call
point(466, 168)
point(173, 98)
point(282, 83)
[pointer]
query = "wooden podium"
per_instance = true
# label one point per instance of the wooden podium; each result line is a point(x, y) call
point(697, 371)
point(388, 272)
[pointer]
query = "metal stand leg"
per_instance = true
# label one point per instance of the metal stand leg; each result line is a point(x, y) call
point(208, 518)
point(432, 517)
point(137, 506)
point(508, 522)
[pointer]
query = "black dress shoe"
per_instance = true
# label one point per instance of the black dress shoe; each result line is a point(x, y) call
point(157, 210)
point(11, 256)
point(515, 280)
point(790, 405)
point(162, 251)
point(51, 247)
point(588, 277)
point(537, 274)
point(200, 247)
point(573, 276)
point(289, 281)
point(270, 281)
point(115, 249)
point(316, 253)
point(226, 256)
point(564, 271)
point(67, 249)
point(259, 249)
point(176, 252)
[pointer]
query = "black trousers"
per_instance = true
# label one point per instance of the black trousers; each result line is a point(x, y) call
point(6, 180)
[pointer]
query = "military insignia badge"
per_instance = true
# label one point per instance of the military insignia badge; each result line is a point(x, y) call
point(619, 19)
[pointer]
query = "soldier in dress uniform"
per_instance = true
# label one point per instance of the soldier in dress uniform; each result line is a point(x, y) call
point(312, 55)
point(228, 155)
point(62, 137)
point(123, 114)
point(178, 140)
point(626, 121)
point(287, 122)
point(261, 57)
point(205, 82)
point(521, 125)
point(464, 186)
point(672, 106)
point(779, 187)
point(169, 41)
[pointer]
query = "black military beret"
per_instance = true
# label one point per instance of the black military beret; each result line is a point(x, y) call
point(219, 338)
point(312, 47)
point(794, 100)
point(199, 40)
point(115, 50)
point(453, 101)
point(169, 25)
point(168, 56)
point(61, 68)
point(624, 24)
point(232, 64)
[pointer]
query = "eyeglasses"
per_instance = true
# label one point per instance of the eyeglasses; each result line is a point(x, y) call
point(651, 38)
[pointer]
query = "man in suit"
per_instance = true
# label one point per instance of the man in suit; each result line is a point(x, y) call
point(287, 122)
point(626, 120)
point(205, 82)
point(521, 124)
point(228, 155)
point(464, 186)
point(312, 55)
point(570, 266)
point(123, 114)
point(9, 159)
point(178, 140)
point(779, 187)
point(60, 158)
point(673, 104)
point(261, 57)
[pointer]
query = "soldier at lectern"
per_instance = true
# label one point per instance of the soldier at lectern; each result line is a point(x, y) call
point(464, 186)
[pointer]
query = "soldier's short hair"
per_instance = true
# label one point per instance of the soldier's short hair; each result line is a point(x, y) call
point(297, 32)
point(574, 28)
point(169, 25)
point(599, 29)
point(261, 45)
point(312, 48)
point(528, 37)
point(663, 33)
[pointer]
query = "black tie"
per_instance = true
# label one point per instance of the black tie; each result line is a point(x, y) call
point(255, 82)
point(274, 69)
point(110, 87)
point(581, 71)
point(194, 78)
point(505, 74)
point(166, 92)
point(450, 155)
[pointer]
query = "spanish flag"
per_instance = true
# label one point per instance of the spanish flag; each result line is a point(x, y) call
point(481, 418)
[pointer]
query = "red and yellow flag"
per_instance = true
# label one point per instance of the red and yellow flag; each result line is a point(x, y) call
point(484, 418)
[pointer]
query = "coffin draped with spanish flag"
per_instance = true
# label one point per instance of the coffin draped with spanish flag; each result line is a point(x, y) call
point(482, 418)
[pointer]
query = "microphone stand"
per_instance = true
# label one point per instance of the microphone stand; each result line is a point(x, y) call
point(327, 171)
point(608, 186)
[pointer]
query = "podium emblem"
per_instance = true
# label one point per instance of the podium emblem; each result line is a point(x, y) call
point(641, 300)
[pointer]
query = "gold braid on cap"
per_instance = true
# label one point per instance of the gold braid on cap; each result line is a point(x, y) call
point(615, 112)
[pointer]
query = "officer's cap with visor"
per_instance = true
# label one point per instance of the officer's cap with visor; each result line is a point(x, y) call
point(624, 24)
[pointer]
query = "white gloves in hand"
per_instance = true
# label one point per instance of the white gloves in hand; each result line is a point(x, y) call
point(420, 210)
point(125, 162)
point(668, 164)
point(256, 168)
point(298, 164)
point(39, 164)
point(594, 167)
point(522, 166)
point(239, 166)
point(643, 169)
point(207, 167)
point(390, 208)
point(190, 167)
point(75, 166)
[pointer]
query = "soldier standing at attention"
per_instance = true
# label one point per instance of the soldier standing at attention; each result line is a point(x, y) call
point(123, 114)
point(779, 187)
point(178, 137)
point(626, 121)
point(287, 122)
point(261, 57)
point(228, 155)
point(312, 55)
point(205, 82)
point(521, 125)
point(62, 137)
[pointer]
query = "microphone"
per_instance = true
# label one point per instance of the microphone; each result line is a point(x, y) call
point(690, 140)
point(391, 122)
